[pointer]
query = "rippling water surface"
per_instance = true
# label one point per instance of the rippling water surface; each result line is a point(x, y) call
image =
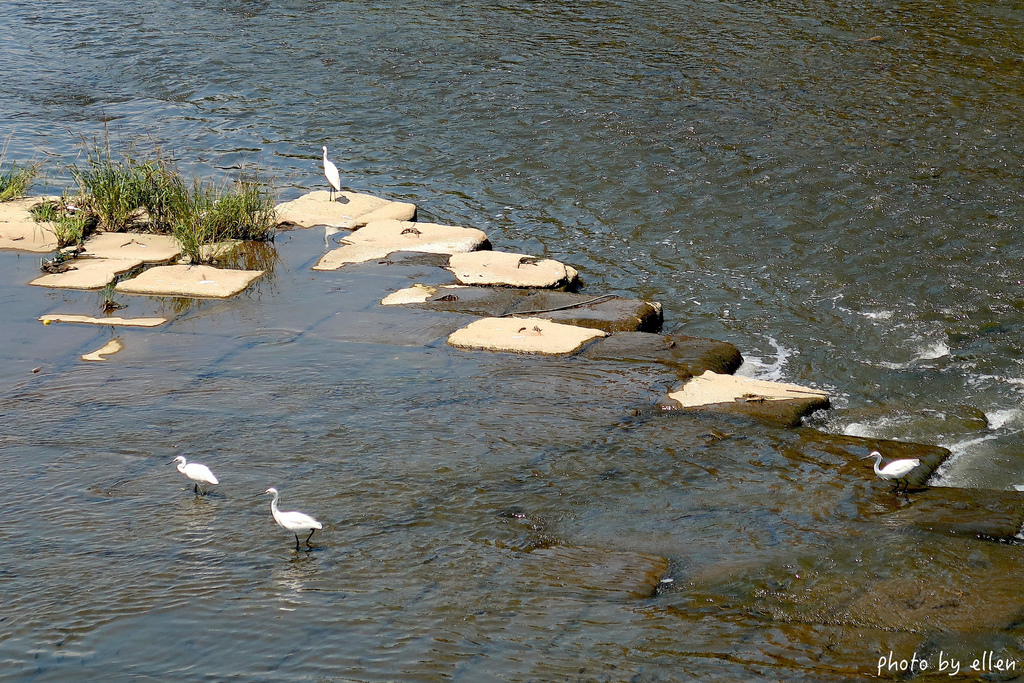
point(836, 188)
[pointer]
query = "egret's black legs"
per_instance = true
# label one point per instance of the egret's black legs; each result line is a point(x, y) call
point(311, 531)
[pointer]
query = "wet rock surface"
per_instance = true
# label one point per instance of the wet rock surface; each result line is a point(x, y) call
point(686, 356)
point(607, 313)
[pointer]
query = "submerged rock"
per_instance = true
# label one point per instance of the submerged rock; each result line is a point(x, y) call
point(512, 270)
point(350, 210)
point(192, 281)
point(687, 356)
point(523, 335)
point(19, 230)
point(111, 347)
point(772, 403)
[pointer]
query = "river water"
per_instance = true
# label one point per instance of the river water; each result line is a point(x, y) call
point(835, 188)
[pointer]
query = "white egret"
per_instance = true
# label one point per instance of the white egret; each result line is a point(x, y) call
point(896, 470)
point(200, 474)
point(331, 171)
point(293, 521)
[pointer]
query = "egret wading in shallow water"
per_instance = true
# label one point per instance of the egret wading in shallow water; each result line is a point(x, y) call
point(293, 521)
point(200, 474)
point(331, 171)
point(896, 470)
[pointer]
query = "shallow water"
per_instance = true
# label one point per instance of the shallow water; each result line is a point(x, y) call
point(845, 210)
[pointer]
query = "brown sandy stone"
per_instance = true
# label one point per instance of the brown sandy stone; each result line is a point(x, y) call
point(511, 270)
point(351, 211)
point(145, 248)
point(18, 230)
point(111, 347)
point(380, 238)
point(523, 335)
point(89, 320)
point(87, 273)
point(195, 281)
point(771, 403)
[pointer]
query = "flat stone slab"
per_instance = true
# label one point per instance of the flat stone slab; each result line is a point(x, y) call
point(87, 273)
point(111, 347)
point(607, 313)
point(986, 512)
point(511, 270)
point(349, 210)
point(18, 230)
point(380, 238)
point(89, 320)
point(523, 335)
point(772, 403)
point(122, 245)
point(193, 281)
point(687, 356)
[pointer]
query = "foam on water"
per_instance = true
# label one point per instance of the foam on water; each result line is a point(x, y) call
point(770, 370)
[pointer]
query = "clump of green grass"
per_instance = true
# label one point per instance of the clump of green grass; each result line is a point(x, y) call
point(15, 181)
point(69, 225)
point(118, 193)
point(111, 189)
point(244, 211)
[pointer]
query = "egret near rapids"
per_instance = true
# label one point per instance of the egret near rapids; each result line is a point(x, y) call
point(293, 521)
point(200, 474)
point(331, 172)
point(896, 470)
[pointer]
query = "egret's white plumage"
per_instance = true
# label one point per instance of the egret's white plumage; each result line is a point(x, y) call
point(200, 474)
point(331, 172)
point(293, 521)
point(895, 470)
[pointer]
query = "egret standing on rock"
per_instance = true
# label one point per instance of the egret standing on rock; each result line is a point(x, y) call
point(331, 171)
point(896, 470)
point(200, 474)
point(293, 521)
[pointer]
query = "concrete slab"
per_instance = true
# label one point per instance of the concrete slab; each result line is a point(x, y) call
point(511, 270)
point(90, 320)
point(190, 281)
point(18, 230)
point(87, 273)
point(111, 347)
point(349, 210)
point(523, 335)
point(687, 356)
point(380, 238)
point(772, 403)
point(145, 248)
